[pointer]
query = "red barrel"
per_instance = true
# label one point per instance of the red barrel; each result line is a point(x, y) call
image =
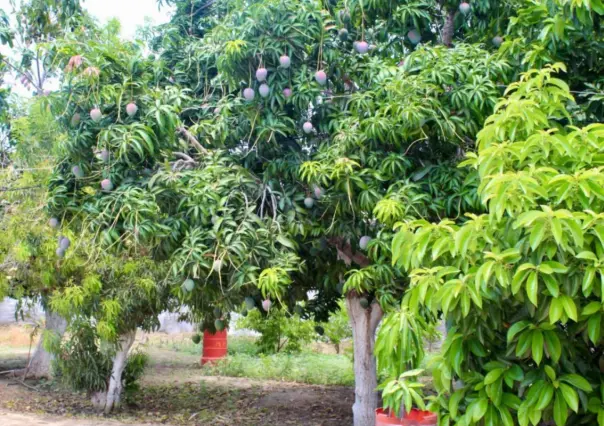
point(214, 346)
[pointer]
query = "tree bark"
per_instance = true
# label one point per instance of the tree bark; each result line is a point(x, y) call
point(111, 400)
point(41, 362)
point(449, 28)
point(364, 323)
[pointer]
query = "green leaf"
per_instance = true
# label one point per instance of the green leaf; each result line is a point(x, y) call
point(479, 408)
point(556, 309)
point(454, 403)
point(557, 267)
point(550, 372)
point(515, 329)
point(532, 287)
point(570, 396)
point(556, 227)
point(552, 285)
point(506, 417)
point(537, 234)
point(286, 242)
point(537, 346)
point(515, 373)
point(493, 375)
point(569, 307)
point(577, 381)
point(518, 279)
point(552, 343)
point(560, 409)
point(593, 328)
point(591, 308)
point(545, 397)
point(588, 281)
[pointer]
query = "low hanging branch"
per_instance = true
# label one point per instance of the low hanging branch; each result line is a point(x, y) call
point(191, 139)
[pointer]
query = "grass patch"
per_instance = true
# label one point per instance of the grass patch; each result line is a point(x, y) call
point(317, 369)
point(244, 360)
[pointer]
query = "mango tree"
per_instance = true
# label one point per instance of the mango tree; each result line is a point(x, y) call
point(29, 271)
point(29, 140)
point(117, 295)
point(338, 131)
point(137, 183)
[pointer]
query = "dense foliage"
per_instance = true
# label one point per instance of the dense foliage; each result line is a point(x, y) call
point(521, 283)
point(259, 150)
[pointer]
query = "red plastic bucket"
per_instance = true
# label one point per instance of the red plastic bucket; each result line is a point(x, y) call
point(417, 417)
point(214, 346)
point(385, 418)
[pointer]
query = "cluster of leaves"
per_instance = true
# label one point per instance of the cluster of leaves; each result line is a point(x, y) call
point(28, 266)
point(280, 331)
point(541, 33)
point(213, 220)
point(117, 296)
point(519, 282)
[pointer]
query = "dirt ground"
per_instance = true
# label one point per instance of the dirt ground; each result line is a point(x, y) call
point(192, 401)
point(14, 419)
point(173, 392)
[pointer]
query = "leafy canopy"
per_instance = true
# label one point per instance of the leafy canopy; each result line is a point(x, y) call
point(521, 282)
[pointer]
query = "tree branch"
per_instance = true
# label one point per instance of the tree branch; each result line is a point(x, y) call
point(24, 74)
point(346, 254)
point(192, 140)
point(375, 316)
point(184, 156)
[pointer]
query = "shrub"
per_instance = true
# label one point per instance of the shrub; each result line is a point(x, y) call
point(522, 284)
point(84, 362)
point(337, 328)
point(279, 331)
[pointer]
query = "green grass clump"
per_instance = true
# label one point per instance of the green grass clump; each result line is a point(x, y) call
point(311, 368)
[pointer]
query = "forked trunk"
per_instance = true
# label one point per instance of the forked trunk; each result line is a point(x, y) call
point(41, 361)
point(364, 323)
point(111, 400)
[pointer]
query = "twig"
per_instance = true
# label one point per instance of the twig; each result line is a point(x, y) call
point(192, 140)
point(20, 382)
point(24, 74)
point(413, 143)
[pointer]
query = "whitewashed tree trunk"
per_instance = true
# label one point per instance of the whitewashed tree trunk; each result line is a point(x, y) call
point(40, 362)
point(364, 323)
point(111, 400)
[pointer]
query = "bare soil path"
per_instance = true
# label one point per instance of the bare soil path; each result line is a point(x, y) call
point(14, 419)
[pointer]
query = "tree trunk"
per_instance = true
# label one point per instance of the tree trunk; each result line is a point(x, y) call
point(40, 363)
point(364, 323)
point(449, 28)
point(111, 400)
